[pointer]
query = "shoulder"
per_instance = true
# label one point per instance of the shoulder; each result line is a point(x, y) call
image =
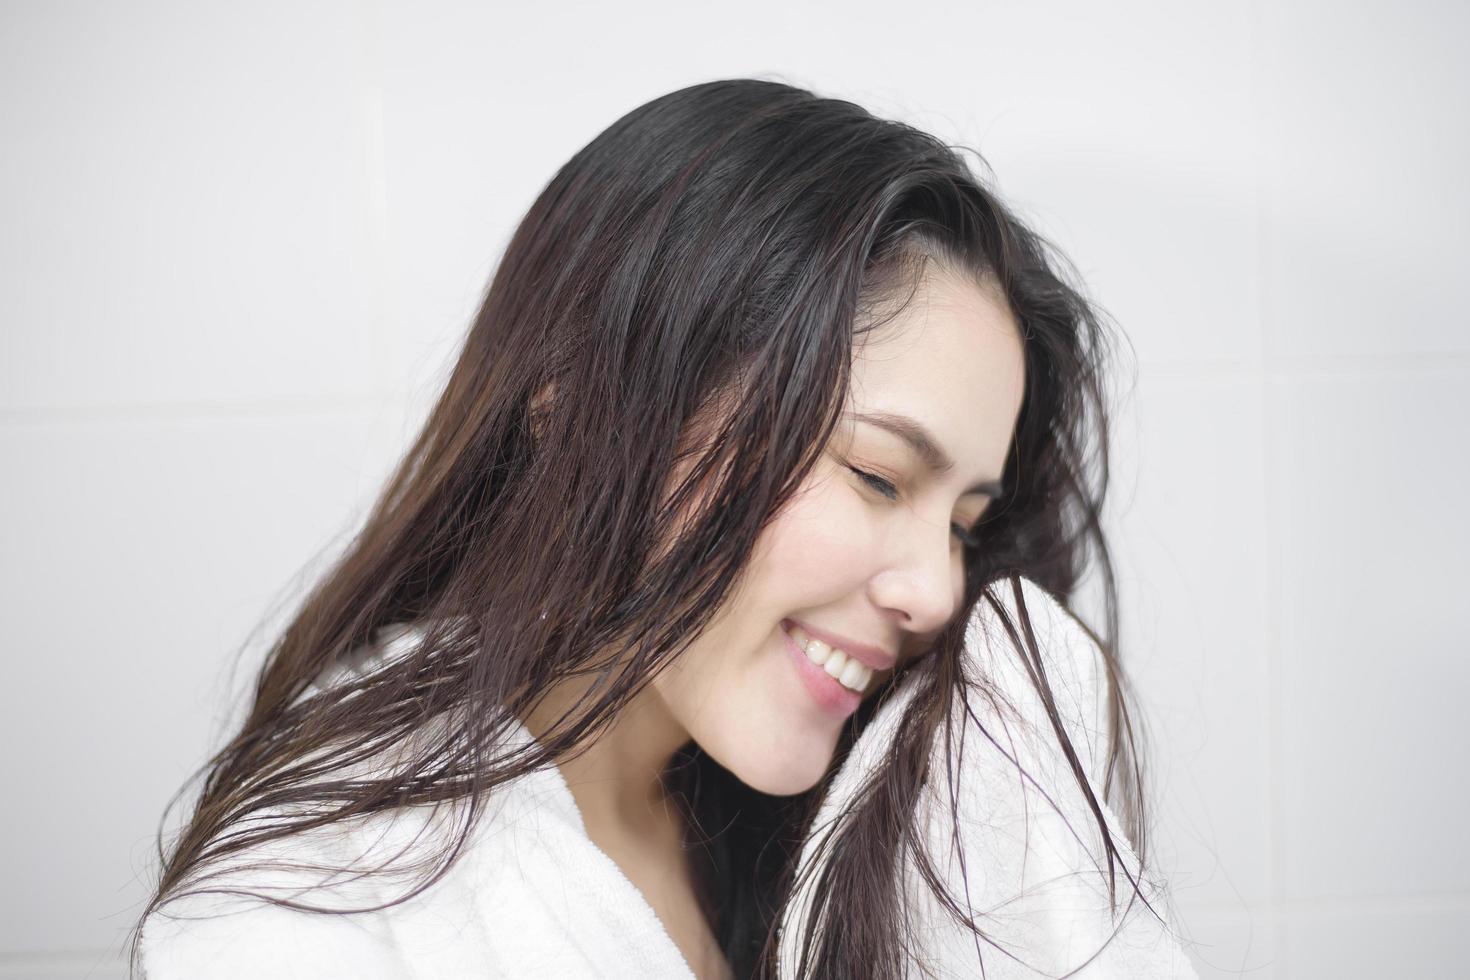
point(202, 937)
point(224, 921)
point(325, 903)
point(346, 884)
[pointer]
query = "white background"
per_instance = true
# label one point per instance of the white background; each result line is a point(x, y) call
point(239, 244)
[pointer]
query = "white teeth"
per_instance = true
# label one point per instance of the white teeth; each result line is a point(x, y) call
point(855, 675)
point(848, 672)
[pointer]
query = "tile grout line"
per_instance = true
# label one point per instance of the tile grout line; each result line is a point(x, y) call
point(376, 166)
point(1273, 493)
point(194, 411)
point(382, 394)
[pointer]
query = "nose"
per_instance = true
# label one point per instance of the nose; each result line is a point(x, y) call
point(923, 584)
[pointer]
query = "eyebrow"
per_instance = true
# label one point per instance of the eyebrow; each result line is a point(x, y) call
point(924, 445)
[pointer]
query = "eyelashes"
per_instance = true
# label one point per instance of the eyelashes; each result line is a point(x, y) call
point(877, 483)
point(889, 491)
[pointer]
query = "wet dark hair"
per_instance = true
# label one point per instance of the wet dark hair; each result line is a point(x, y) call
point(702, 268)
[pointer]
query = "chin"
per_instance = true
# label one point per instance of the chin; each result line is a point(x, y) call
point(795, 775)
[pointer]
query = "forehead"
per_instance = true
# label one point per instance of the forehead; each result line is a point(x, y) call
point(951, 358)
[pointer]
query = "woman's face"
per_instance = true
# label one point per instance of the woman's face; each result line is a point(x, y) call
point(879, 575)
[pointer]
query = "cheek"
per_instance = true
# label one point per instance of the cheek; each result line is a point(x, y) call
point(819, 548)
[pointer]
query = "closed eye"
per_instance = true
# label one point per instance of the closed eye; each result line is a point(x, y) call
point(889, 491)
point(877, 483)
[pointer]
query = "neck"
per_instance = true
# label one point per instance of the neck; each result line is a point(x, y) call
point(616, 780)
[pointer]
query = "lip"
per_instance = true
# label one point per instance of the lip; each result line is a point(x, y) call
point(869, 656)
point(835, 700)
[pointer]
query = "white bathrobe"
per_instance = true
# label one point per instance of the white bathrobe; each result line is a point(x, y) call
point(533, 896)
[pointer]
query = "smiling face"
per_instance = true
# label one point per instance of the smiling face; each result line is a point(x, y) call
point(868, 554)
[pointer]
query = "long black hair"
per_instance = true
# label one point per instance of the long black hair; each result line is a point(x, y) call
point(704, 265)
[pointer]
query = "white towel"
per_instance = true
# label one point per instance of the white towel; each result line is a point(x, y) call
point(1033, 883)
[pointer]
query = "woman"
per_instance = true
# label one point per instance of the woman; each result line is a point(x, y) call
point(744, 517)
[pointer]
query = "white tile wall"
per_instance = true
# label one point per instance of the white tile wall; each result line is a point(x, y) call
point(1190, 531)
point(1364, 151)
point(1371, 939)
point(1371, 670)
point(184, 188)
point(242, 243)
